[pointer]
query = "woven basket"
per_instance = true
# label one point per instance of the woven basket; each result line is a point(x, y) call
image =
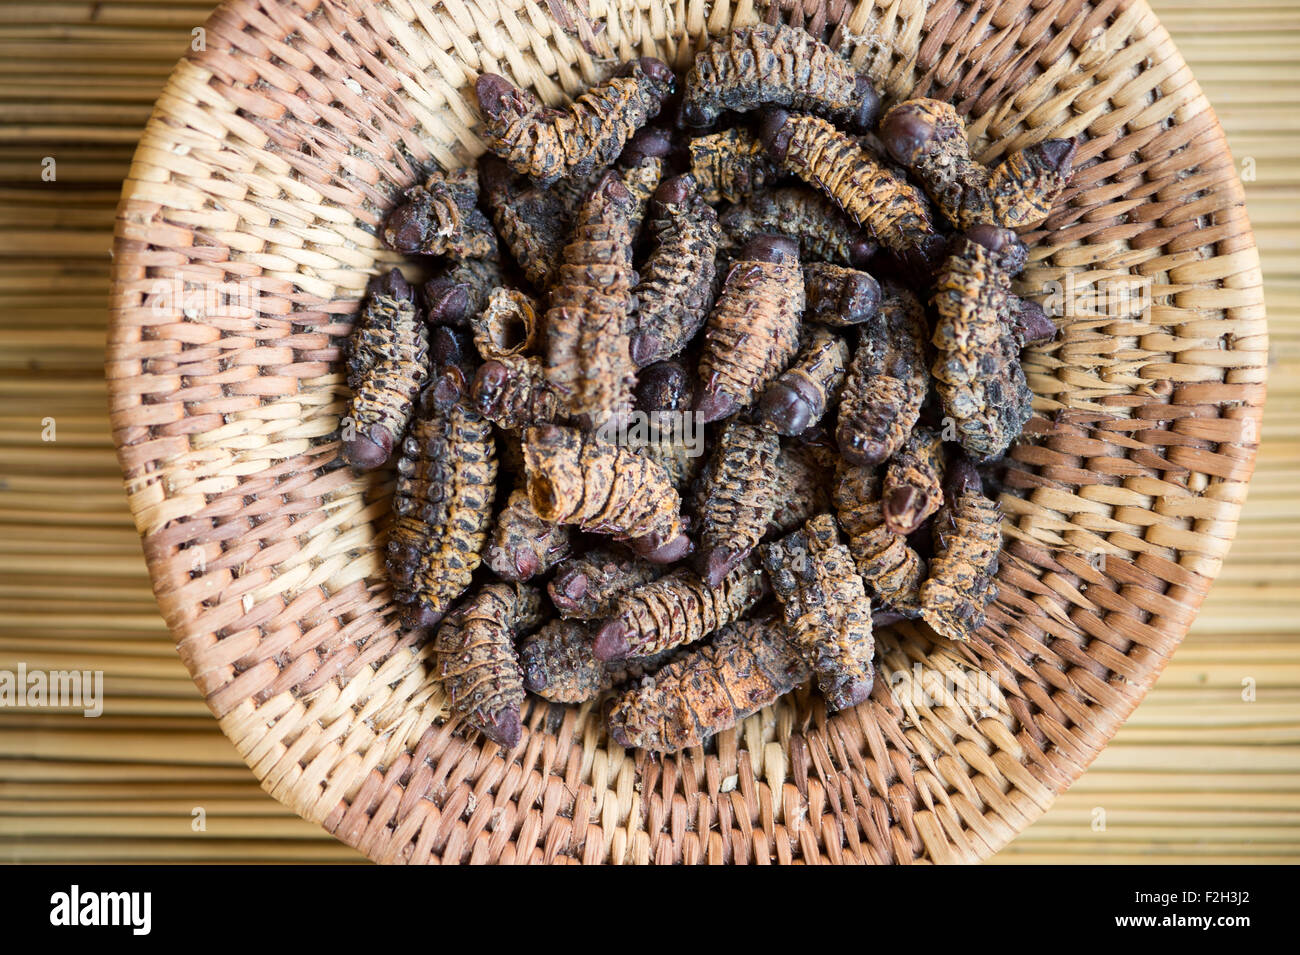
point(245, 237)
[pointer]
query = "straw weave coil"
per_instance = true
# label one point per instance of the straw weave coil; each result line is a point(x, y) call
point(245, 237)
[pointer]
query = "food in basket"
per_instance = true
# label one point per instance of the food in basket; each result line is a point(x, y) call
point(477, 662)
point(781, 65)
point(887, 380)
point(967, 541)
point(588, 357)
point(737, 497)
point(929, 138)
point(446, 482)
point(977, 365)
point(387, 363)
point(731, 166)
point(676, 287)
point(749, 665)
point(826, 608)
point(549, 143)
point(797, 400)
point(753, 330)
point(721, 470)
point(441, 217)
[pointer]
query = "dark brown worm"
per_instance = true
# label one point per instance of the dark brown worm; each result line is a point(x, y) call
point(797, 400)
point(588, 361)
point(977, 365)
point(676, 610)
point(576, 478)
point(800, 488)
point(967, 542)
point(664, 396)
point(929, 138)
point(513, 392)
point(913, 488)
point(560, 664)
point(534, 222)
point(839, 296)
point(446, 482)
point(753, 330)
point(731, 166)
point(440, 217)
point(641, 167)
point(778, 65)
point(461, 291)
point(890, 567)
point(868, 193)
point(827, 611)
point(887, 381)
point(387, 359)
point(476, 658)
point(749, 665)
point(589, 586)
point(822, 231)
point(523, 545)
point(737, 498)
point(677, 279)
point(588, 133)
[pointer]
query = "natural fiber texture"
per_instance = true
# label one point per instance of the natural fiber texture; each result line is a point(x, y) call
point(264, 551)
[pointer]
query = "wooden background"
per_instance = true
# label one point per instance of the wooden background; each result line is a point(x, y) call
point(1198, 773)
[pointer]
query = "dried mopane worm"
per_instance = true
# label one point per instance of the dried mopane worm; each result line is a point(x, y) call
point(799, 488)
point(589, 586)
point(868, 193)
point(929, 139)
point(737, 500)
point(753, 330)
point(560, 664)
point(977, 366)
point(889, 566)
point(676, 610)
point(477, 662)
point(731, 166)
point(512, 392)
point(533, 221)
point(664, 395)
point(440, 217)
point(749, 665)
point(641, 167)
point(967, 541)
point(887, 381)
point(778, 65)
point(913, 487)
point(677, 278)
point(827, 611)
point(507, 326)
point(387, 359)
point(588, 361)
point(576, 478)
point(446, 482)
point(588, 133)
point(523, 545)
point(797, 400)
point(839, 296)
point(823, 233)
point(461, 291)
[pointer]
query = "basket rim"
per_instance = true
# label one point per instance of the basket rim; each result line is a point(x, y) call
point(133, 255)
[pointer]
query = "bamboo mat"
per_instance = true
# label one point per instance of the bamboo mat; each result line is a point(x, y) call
point(1197, 774)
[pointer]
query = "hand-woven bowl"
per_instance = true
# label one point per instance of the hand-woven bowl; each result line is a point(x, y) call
point(246, 234)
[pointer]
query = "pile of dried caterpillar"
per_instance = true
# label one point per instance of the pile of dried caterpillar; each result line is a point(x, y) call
point(690, 402)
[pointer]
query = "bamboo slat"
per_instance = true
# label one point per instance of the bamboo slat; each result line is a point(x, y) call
point(1195, 775)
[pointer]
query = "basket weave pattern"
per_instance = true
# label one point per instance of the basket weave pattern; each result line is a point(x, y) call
point(245, 238)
